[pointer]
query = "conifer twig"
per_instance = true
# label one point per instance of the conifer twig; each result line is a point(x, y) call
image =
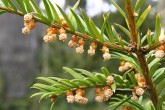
point(131, 22)
point(139, 52)
point(84, 36)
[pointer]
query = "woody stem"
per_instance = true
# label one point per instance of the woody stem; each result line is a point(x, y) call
point(150, 86)
point(139, 52)
point(84, 36)
point(131, 22)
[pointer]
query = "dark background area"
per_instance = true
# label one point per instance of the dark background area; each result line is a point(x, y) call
point(23, 58)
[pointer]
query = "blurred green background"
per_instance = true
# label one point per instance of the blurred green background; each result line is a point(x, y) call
point(23, 58)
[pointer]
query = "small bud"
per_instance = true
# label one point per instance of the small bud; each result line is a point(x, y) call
point(93, 46)
point(62, 31)
point(31, 25)
point(99, 95)
point(28, 17)
point(26, 24)
point(110, 80)
point(128, 65)
point(74, 38)
point(63, 37)
point(162, 38)
point(63, 22)
point(134, 98)
point(80, 92)
point(81, 42)
point(107, 94)
point(105, 49)
point(159, 54)
point(140, 91)
point(92, 49)
point(25, 30)
point(53, 37)
point(70, 99)
point(49, 38)
point(51, 31)
point(84, 100)
point(137, 76)
point(46, 38)
point(135, 14)
point(68, 93)
point(91, 52)
point(80, 49)
point(99, 98)
point(71, 44)
point(142, 84)
point(162, 47)
point(123, 63)
point(106, 56)
point(121, 68)
point(78, 98)
point(98, 91)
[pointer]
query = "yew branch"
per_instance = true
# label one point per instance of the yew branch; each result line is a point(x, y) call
point(131, 22)
point(84, 36)
point(139, 52)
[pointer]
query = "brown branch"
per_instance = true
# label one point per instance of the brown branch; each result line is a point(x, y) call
point(140, 52)
point(131, 22)
point(85, 36)
point(154, 46)
point(145, 71)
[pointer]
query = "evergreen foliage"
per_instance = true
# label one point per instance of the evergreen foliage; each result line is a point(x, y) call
point(141, 57)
